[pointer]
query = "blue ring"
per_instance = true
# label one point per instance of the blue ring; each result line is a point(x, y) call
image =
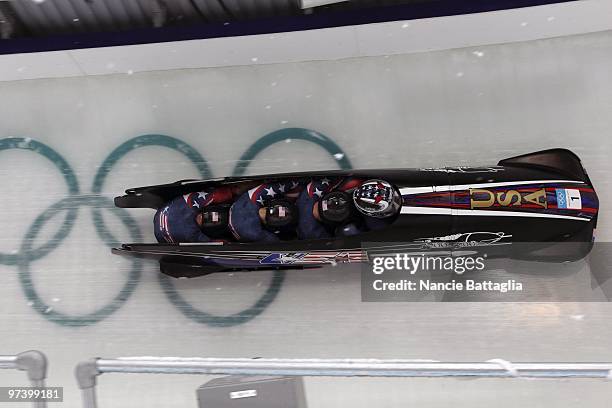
point(25, 276)
point(149, 140)
point(73, 189)
point(289, 134)
point(136, 143)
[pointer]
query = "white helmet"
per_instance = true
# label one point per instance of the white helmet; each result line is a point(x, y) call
point(377, 198)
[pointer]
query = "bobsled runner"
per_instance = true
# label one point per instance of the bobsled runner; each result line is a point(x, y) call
point(540, 199)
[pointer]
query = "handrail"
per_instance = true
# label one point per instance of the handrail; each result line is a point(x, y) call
point(34, 363)
point(86, 372)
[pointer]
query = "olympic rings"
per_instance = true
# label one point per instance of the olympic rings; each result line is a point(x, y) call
point(73, 189)
point(71, 203)
point(25, 275)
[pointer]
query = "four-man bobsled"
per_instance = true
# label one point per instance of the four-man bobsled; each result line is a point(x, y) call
point(542, 198)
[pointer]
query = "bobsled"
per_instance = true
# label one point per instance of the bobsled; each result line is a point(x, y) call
point(538, 200)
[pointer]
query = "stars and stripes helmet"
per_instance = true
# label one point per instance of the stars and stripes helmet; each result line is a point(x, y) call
point(377, 198)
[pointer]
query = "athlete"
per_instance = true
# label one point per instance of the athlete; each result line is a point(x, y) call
point(194, 217)
point(324, 205)
point(266, 213)
point(327, 207)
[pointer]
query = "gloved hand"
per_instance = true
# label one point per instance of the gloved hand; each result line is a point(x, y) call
point(347, 230)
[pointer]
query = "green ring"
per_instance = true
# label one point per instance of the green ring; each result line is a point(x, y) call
point(25, 275)
point(288, 134)
point(73, 189)
point(143, 141)
point(136, 143)
point(189, 311)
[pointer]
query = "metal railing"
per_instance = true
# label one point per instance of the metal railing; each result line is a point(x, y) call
point(86, 372)
point(34, 363)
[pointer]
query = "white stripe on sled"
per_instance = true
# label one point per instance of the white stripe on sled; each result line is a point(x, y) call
point(488, 213)
point(425, 210)
point(422, 190)
point(210, 243)
point(446, 187)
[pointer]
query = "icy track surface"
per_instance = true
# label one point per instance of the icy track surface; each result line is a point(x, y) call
point(73, 144)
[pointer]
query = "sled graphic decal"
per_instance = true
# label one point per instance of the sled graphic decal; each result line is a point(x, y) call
point(480, 237)
point(283, 258)
point(568, 198)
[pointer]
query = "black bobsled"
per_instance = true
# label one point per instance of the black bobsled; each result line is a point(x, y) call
point(543, 198)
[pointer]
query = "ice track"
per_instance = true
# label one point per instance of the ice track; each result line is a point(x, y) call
point(72, 144)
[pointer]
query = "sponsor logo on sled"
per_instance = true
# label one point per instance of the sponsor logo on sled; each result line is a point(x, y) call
point(568, 198)
point(283, 259)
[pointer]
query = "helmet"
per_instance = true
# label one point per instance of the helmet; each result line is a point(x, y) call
point(335, 207)
point(377, 198)
point(281, 216)
point(215, 220)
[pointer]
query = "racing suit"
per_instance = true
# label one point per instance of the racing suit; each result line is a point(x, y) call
point(176, 221)
point(308, 226)
point(244, 220)
point(311, 228)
